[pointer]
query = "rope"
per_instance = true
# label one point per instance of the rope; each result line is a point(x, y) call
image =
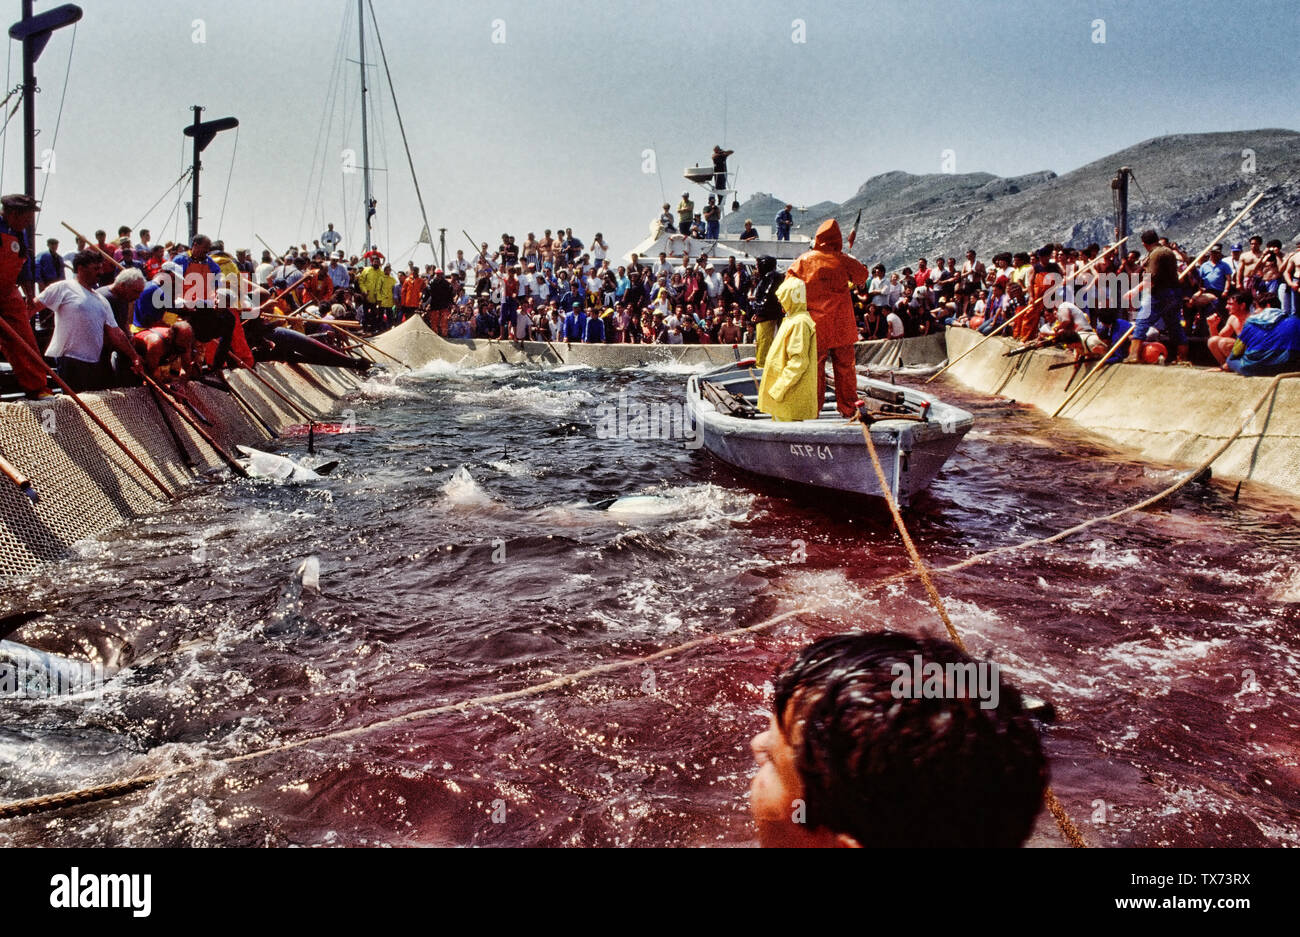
point(14, 110)
point(1141, 505)
point(1063, 821)
point(234, 149)
point(4, 131)
point(182, 178)
point(54, 142)
point(402, 127)
point(49, 802)
point(919, 565)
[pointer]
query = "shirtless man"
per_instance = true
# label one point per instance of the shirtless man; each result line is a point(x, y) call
point(1291, 279)
point(1246, 264)
point(1237, 306)
point(1268, 272)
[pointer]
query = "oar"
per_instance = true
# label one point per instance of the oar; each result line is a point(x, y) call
point(1097, 367)
point(1022, 312)
point(21, 481)
point(17, 341)
point(215, 446)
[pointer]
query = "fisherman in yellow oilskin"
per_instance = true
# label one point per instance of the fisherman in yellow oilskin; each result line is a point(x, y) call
point(789, 387)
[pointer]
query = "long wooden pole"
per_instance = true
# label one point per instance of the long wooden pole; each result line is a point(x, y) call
point(171, 430)
point(1219, 237)
point(275, 255)
point(21, 481)
point(341, 323)
point(370, 344)
point(230, 389)
point(18, 342)
point(311, 420)
point(215, 446)
point(1097, 367)
point(1077, 273)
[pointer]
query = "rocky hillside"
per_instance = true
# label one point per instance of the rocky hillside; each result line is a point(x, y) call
point(1187, 186)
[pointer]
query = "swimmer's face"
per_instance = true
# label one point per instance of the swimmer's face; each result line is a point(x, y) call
point(776, 795)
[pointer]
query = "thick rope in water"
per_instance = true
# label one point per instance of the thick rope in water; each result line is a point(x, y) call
point(106, 791)
point(21, 808)
point(1184, 481)
point(1067, 826)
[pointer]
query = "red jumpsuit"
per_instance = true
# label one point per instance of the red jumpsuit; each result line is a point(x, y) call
point(828, 273)
point(29, 372)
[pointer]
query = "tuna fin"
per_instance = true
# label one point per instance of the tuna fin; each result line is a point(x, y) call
point(326, 468)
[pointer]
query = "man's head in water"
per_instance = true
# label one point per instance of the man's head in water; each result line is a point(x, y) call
point(861, 752)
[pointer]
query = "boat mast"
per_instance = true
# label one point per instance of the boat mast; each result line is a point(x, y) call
point(202, 131)
point(29, 124)
point(34, 32)
point(426, 236)
point(1120, 185)
point(365, 140)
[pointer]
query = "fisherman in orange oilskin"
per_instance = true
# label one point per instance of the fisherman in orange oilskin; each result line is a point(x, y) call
point(830, 275)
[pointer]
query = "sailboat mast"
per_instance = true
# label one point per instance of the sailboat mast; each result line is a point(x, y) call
point(365, 139)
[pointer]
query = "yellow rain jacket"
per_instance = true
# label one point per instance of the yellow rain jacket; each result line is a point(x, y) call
point(789, 387)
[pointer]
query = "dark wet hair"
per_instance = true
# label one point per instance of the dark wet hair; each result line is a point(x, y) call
point(85, 259)
point(893, 771)
point(1149, 236)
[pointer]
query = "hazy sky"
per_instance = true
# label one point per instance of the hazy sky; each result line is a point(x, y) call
point(549, 126)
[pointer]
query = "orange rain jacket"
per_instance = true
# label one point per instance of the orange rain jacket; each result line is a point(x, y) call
point(827, 272)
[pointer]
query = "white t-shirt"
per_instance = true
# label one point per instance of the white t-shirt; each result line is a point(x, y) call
point(896, 328)
point(878, 285)
point(1070, 314)
point(79, 319)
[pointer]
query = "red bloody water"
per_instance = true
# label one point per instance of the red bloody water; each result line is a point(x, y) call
point(1166, 641)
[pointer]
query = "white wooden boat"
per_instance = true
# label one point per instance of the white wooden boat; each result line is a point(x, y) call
point(914, 434)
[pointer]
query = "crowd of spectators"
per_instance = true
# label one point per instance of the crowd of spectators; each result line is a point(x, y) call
point(557, 288)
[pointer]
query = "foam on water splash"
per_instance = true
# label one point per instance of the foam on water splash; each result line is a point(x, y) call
point(671, 367)
point(514, 469)
point(511, 399)
point(463, 491)
point(439, 370)
point(386, 387)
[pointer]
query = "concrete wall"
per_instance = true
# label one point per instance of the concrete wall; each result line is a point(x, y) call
point(1165, 414)
point(417, 345)
point(86, 483)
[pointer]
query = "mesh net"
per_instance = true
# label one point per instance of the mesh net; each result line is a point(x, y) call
point(87, 484)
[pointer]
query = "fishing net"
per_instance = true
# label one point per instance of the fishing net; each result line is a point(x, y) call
point(87, 484)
